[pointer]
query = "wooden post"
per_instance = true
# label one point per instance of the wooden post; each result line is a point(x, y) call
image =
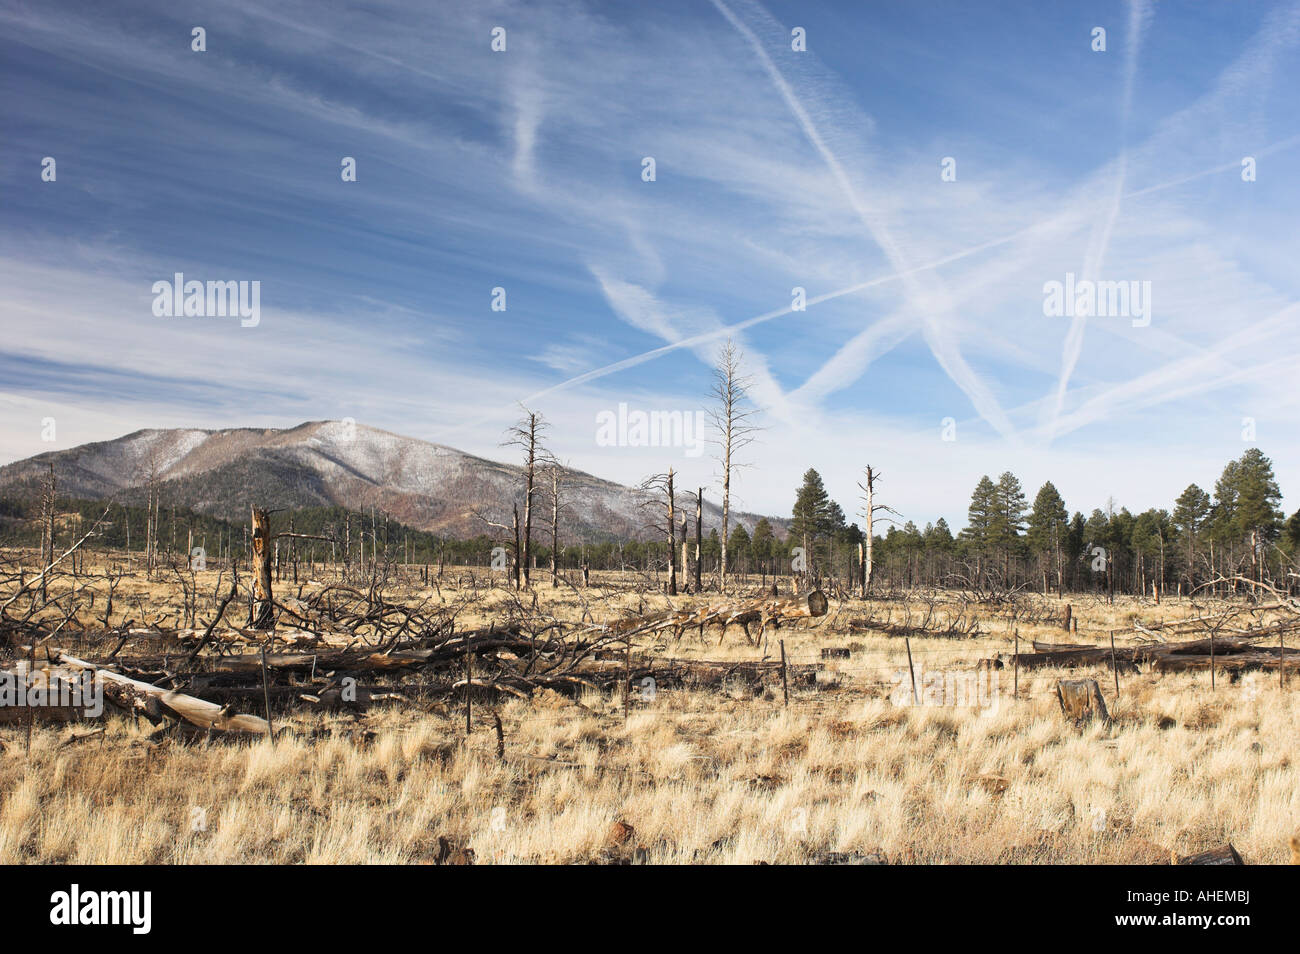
point(266, 698)
point(469, 674)
point(915, 696)
point(1281, 660)
point(1015, 678)
point(1211, 660)
point(627, 676)
point(785, 676)
point(1114, 664)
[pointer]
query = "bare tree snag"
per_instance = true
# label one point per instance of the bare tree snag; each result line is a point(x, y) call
point(47, 530)
point(264, 607)
point(526, 434)
point(699, 535)
point(870, 509)
point(732, 416)
point(672, 540)
point(553, 470)
point(660, 489)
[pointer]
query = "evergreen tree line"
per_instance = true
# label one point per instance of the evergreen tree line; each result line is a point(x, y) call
point(1239, 530)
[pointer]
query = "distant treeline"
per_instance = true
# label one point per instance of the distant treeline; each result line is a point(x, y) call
point(1237, 530)
point(350, 536)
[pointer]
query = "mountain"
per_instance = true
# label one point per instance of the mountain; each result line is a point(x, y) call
point(331, 463)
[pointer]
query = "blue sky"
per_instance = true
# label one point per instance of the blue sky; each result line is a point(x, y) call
point(522, 170)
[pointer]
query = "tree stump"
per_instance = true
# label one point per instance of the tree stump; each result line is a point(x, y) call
point(1081, 700)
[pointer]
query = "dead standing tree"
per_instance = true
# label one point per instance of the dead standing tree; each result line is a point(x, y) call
point(555, 477)
point(153, 494)
point(699, 535)
point(263, 547)
point(869, 511)
point(514, 548)
point(527, 435)
point(660, 489)
point(47, 527)
point(263, 603)
point(733, 417)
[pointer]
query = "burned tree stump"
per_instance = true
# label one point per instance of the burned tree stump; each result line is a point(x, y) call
point(1081, 700)
point(264, 609)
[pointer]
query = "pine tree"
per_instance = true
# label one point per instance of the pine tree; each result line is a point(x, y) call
point(980, 520)
point(1046, 534)
point(811, 517)
point(1190, 512)
point(1009, 522)
point(763, 544)
point(939, 536)
point(1151, 531)
point(1258, 517)
point(1096, 548)
point(738, 547)
point(1074, 541)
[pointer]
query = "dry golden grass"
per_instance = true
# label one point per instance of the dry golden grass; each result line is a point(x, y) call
point(714, 776)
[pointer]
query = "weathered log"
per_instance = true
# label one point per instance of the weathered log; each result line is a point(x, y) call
point(1069, 658)
point(1226, 855)
point(150, 699)
point(1081, 700)
point(1235, 663)
point(763, 610)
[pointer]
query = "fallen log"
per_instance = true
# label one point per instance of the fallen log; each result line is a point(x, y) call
point(153, 699)
point(1069, 658)
point(1226, 855)
point(1259, 660)
point(1231, 653)
point(764, 610)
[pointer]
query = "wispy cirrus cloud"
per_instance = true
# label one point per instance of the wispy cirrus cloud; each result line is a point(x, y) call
point(776, 169)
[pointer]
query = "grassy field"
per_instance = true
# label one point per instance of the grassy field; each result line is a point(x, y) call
point(716, 775)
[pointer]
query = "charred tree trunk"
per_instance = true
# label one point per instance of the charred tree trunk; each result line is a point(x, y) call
point(672, 539)
point(699, 534)
point(555, 526)
point(264, 609)
point(519, 573)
